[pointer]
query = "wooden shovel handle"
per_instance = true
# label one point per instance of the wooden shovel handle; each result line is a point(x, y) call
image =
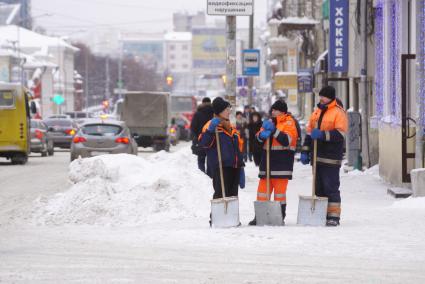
point(220, 164)
point(268, 167)
point(313, 188)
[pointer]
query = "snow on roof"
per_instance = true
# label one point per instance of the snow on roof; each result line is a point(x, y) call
point(286, 74)
point(299, 21)
point(178, 36)
point(27, 38)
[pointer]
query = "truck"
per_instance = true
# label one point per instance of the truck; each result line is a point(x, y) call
point(147, 115)
point(15, 113)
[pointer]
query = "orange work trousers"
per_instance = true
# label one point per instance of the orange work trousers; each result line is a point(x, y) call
point(277, 185)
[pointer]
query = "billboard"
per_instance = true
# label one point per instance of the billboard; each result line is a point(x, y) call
point(149, 52)
point(209, 50)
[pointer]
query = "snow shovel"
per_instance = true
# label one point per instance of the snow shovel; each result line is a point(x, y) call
point(268, 213)
point(312, 210)
point(224, 211)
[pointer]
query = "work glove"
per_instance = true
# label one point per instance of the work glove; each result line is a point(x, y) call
point(269, 125)
point(214, 123)
point(305, 158)
point(265, 134)
point(242, 178)
point(317, 134)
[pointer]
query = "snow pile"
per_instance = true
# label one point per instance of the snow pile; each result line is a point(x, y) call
point(410, 203)
point(129, 190)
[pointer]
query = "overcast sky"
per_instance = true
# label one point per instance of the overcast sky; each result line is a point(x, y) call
point(73, 17)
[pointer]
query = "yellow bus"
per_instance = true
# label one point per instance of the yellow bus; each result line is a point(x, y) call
point(14, 123)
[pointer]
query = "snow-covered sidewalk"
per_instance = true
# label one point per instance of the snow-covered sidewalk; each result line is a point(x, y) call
point(133, 220)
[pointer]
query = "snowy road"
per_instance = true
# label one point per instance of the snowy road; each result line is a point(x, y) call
point(380, 240)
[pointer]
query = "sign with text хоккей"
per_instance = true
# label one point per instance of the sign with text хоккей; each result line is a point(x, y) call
point(230, 7)
point(338, 35)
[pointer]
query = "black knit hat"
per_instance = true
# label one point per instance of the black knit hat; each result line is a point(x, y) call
point(219, 105)
point(327, 92)
point(280, 106)
point(206, 100)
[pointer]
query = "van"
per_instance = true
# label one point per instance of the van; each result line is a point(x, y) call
point(14, 123)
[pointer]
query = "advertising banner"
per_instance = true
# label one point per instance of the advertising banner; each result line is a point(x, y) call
point(338, 35)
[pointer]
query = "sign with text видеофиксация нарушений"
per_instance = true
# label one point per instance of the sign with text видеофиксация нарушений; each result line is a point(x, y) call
point(230, 7)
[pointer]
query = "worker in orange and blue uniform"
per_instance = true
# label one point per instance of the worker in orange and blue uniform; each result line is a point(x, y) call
point(231, 150)
point(328, 125)
point(282, 131)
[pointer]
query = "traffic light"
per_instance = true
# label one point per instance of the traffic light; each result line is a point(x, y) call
point(58, 99)
point(105, 104)
point(170, 80)
point(224, 78)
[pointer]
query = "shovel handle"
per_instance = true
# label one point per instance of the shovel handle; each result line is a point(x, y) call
point(220, 164)
point(268, 168)
point(313, 187)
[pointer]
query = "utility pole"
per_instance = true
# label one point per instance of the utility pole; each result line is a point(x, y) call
point(420, 74)
point(86, 78)
point(120, 85)
point(251, 46)
point(231, 59)
point(107, 81)
point(363, 88)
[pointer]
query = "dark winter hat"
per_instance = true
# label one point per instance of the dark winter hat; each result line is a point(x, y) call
point(327, 92)
point(206, 100)
point(280, 106)
point(219, 105)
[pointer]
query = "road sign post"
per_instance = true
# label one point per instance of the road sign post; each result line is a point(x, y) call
point(230, 9)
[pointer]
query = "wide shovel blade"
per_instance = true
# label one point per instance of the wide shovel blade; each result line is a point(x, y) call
point(268, 213)
point(312, 211)
point(225, 212)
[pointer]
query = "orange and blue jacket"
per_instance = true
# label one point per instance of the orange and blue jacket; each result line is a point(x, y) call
point(282, 145)
point(230, 143)
point(332, 119)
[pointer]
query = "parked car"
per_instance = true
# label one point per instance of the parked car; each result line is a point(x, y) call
point(59, 116)
point(99, 136)
point(41, 141)
point(62, 130)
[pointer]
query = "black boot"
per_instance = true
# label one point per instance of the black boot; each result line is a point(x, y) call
point(332, 222)
point(283, 207)
point(253, 222)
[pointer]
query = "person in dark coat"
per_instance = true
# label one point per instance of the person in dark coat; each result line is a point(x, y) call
point(203, 114)
point(242, 127)
point(254, 147)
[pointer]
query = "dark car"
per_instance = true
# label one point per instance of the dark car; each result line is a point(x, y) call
point(61, 131)
point(41, 141)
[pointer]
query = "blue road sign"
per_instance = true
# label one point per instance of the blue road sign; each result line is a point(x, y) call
point(251, 62)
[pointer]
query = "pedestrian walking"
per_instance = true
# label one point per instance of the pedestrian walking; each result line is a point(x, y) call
point(281, 134)
point(328, 125)
point(231, 150)
point(255, 148)
point(203, 114)
point(241, 126)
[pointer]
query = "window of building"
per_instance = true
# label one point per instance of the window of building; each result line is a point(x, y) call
point(172, 47)
point(184, 47)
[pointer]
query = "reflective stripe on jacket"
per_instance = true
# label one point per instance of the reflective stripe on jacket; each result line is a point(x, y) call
point(334, 122)
point(282, 148)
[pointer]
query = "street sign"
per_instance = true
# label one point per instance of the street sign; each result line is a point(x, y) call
point(305, 80)
point(230, 7)
point(242, 81)
point(251, 62)
point(338, 36)
point(243, 92)
point(58, 99)
point(285, 80)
